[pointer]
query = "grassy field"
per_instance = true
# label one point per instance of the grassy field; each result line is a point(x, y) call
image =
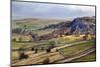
point(87, 58)
point(17, 45)
point(43, 32)
point(15, 56)
point(34, 23)
point(58, 42)
point(67, 52)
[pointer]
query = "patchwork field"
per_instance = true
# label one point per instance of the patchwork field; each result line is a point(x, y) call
point(63, 52)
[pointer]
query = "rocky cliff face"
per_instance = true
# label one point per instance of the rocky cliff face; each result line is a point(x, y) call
point(83, 25)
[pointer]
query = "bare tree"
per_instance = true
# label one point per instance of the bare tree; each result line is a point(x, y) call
point(46, 61)
point(22, 54)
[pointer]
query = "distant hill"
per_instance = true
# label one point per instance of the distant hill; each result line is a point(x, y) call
point(60, 25)
point(21, 26)
point(80, 24)
point(46, 29)
point(34, 23)
point(83, 24)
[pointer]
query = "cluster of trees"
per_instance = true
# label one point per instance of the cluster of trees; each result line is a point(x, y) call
point(17, 30)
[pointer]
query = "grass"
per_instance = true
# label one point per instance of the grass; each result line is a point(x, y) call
point(69, 39)
point(15, 56)
point(43, 32)
point(89, 57)
point(66, 51)
point(75, 49)
point(34, 23)
point(17, 45)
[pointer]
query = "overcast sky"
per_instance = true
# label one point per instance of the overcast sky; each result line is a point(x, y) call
point(22, 10)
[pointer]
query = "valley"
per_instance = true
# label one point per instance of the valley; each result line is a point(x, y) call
point(49, 41)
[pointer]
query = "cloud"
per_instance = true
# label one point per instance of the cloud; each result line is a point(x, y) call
point(43, 10)
point(86, 9)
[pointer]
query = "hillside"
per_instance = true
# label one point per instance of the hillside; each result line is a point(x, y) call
point(83, 25)
point(34, 23)
point(80, 25)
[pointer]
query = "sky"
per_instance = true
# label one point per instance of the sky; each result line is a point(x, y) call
point(22, 10)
